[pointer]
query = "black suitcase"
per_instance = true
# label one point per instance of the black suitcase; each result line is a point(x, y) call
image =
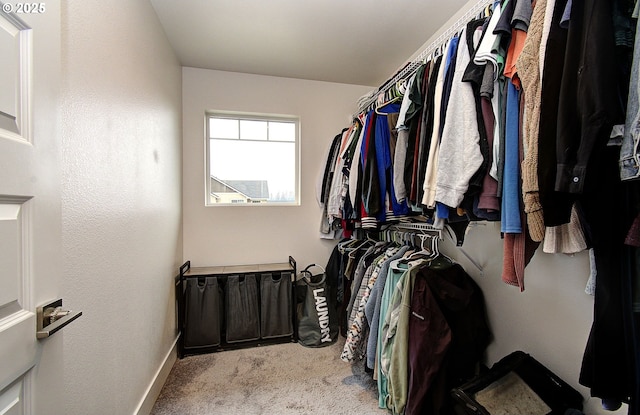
point(516, 385)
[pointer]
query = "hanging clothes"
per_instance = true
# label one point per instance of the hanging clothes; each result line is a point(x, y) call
point(419, 120)
point(357, 334)
point(377, 304)
point(443, 297)
point(393, 334)
point(356, 170)
point(474, 75)
point(413, 122)
point(400, 154)
point(589, 105)
point(338, 186)
point(530, 77)
point(549, 107)
point(370, 185)
point(429, 186)
point(382, 143)
point(630, 151)
point(459, 156)
point(426, 132)
point(514, 118)
point(328, 226)
point(510, 222)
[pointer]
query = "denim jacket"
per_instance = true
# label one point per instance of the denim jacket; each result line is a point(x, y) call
point(630, 151)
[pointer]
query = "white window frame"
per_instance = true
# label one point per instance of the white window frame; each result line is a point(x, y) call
point(251, 117)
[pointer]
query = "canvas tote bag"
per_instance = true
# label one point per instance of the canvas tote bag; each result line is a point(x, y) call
point(316, 313)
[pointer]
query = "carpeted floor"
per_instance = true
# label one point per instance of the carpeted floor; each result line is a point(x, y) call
point(281, 379)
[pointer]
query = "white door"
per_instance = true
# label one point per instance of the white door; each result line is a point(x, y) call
point(30, 219)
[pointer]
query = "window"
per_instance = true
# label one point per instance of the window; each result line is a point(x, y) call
point(252, 159)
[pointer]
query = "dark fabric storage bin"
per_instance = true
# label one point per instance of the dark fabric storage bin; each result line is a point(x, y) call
point(275, 305)
point(517, 385)
point(203, 306)
point(242, 312)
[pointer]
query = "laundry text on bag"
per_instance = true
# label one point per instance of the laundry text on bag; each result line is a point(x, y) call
point(323, 314)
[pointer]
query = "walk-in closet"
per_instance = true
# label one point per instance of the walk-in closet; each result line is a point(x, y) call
point(445, 190)
point(454, 155)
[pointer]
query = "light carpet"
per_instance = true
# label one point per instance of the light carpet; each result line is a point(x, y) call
point(279, 379)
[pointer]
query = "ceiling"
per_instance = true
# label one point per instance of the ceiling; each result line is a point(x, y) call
point(361, 42)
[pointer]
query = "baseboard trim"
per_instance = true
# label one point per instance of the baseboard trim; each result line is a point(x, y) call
point(153, 390)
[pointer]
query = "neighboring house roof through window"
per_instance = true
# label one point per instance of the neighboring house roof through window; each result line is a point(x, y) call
point(251, 189)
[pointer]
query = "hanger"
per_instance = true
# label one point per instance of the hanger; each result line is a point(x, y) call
point(431, 256)
point(383, 104)
point(401, 87)
point(488, 10)
point(345, 246)
point(443, 260)
point(434, 246)
point(352, 252)
point(408, 238)
point(430, 57)
point(424, 252)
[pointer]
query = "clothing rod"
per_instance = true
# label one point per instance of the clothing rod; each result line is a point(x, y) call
point(413, 66)
point(423, 227)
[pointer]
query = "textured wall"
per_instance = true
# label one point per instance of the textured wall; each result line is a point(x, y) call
point(121, 201)
point(252, 234)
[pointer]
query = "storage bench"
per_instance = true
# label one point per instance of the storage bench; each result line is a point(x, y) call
point(228, 307)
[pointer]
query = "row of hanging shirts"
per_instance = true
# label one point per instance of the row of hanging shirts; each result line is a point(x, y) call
point(409, 307)
point(456, 141)
point(358, 188)
point(386, 165)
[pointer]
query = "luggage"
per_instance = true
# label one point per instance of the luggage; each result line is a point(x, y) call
point(516, 385)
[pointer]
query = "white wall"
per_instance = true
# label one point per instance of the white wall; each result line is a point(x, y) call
point(121, 201)
point(256, 234)
point(550, 320)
